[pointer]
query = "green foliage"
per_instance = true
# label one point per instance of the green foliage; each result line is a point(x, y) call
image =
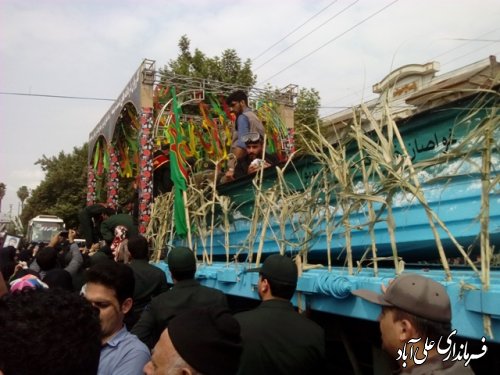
point(23, 193)
point(227, 68)
point(63, 191)
point(306, 113)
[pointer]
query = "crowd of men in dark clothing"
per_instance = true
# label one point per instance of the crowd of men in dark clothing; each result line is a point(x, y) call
point(189, 325)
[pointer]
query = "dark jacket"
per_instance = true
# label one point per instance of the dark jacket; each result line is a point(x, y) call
point(150, 281)
point(278, 340)
point(184, 295)
point(242, 165)
point(108, 226)
point(89, 218)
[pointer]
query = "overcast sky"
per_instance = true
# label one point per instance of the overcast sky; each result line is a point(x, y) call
point(91, 49)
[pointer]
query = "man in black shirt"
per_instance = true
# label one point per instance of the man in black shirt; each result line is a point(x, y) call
point(277, 339)
point(255, 159)
point(186, 294)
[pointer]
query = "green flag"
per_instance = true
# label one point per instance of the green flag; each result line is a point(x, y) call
point(178, 168)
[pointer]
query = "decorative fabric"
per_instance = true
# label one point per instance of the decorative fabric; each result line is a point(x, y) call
point(27, 281)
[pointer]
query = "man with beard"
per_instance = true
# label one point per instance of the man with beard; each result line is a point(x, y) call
point(255, 159)
point(246, 122)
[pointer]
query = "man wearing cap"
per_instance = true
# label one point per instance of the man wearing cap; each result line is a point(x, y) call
point(415, 307)
point(187, 293)
point(277, 339)
point(246, 122)
point(200, 341)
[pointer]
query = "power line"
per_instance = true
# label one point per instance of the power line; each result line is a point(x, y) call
point(331, 40)
point(55, 96)
point(294, 30)
point(466, 54)
point(316, 28)
point(435, 58)
point(477, 40)
point(463, 44)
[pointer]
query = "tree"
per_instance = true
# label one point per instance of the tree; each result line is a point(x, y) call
point(23, 193)
point(306, 113)
point(63, 190)
point(3, 189)
point(226, 68)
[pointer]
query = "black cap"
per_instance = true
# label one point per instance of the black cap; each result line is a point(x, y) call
point(181, 259)
point(208, 340)
point(278, 268)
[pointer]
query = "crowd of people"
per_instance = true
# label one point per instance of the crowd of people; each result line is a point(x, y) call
point(104, 309)
point(188, 327)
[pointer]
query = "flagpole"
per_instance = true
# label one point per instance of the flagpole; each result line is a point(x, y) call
point(186, 212)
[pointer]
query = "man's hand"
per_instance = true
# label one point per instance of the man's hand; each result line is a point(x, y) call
point(252, 168)
point(93, 249)
point(229, 176)
point(71, 235)
point(54, 240)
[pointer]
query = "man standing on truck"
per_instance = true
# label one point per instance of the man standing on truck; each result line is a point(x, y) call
point(255, 159)
point(90, 218)
point(246, 122)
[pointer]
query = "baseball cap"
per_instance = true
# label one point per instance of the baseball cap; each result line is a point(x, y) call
point(415, 294)
point(278, 268)
point(208, 339)
point(181, 259)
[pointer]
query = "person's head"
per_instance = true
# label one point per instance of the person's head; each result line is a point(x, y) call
point(26, 255)
point(237, 101)
point(12, 242)
point(46, 258)
point(254, 145)
point(108, 211)
point(110, 287)
point(277, 278)
point(138, 247)
point(181, 263)
point(21, 272)
point(25, 283)
point(200, 341)
point(412, 306)
point(59, 278)
point(58, 330)
point(7, 261)
point(7, 254)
